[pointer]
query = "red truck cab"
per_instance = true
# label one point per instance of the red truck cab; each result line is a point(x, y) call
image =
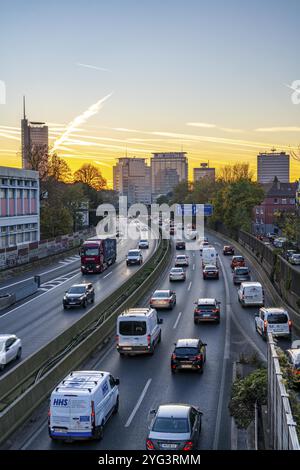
point(97, 254)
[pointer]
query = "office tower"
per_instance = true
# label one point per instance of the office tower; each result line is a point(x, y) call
point(271, 165)
point(34, 137)
point(132, 178)
point(204, 172)
point(167, 170)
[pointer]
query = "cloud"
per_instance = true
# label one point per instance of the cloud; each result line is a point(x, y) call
point(94, 67)
point(278, 129)
point(79, 120)
point(213, 126)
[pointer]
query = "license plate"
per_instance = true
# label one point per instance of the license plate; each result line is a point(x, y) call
point(127, 348)
point(59, 430)
point(186, 366)
point(72, 303)
point(169, 446)
point(206, 315)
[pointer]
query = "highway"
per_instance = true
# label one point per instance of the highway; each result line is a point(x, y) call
point(146, 382)
point(39, 319)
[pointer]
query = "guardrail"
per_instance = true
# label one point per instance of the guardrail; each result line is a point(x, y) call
point(282, 427)
point(27, 385)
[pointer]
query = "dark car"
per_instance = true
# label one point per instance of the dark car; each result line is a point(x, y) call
point(237, 261)
point(210, 271)
point(188, 354)
point(207, 310)
point(241, 274)
point(174, 427)
point(180, 245)
point(79, 295)
point(228, 250)
point(134, 257)
point(163, 299)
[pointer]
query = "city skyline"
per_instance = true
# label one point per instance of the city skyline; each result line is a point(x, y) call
point(215, 94)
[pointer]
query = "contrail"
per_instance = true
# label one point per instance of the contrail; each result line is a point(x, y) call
point(79, 120)
point(94, 67)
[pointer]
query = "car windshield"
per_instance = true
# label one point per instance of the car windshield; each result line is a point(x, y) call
point(132, 328)
point(176, 270)
point(133, 253)
point(2, 344)
point(92, 251)
point(206, 307)
point(76, 290)
point(171, 425)
point(296, 256)
point(181, 257)
point(210, 268)
point(161, 294)
point(186, 351)
point(277, 318)
point(238, 258)
point(143, 241)
point(241, 271)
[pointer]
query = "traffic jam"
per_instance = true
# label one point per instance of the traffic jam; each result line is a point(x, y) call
point(173, 426)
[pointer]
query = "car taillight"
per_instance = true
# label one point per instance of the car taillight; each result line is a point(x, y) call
point(215, 310)
point(117, 339)
point(93, 414)
point(149, 445)
point(149, 340)
point(49, 416)
point(174, 357)
point(290, 324)
point(199, 357)
point(188, 445)
point(265, 325)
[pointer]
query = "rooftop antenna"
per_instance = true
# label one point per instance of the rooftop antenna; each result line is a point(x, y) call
point(24, 112)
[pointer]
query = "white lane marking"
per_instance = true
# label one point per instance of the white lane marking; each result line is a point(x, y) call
point(34, 435)
point(178, 318)
point(138, 404)
point(190, 285)
point(108, 274)
point(217, 243)
point(58, 267)
point(193, 267)
point(35, 298)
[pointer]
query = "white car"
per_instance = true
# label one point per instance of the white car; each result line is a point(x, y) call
point(143, 244)
point(273, 320)
point(177, 274)
point(10, 349)
point(251, 294)
point(181, 260)
point(295, 258)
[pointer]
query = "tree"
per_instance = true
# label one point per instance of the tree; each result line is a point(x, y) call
point(236, 172)
point(37, 159)
point(59, 169)
point(55, 221)
point(91, 176)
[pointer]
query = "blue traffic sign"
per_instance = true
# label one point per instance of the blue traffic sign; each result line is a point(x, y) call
point(194, 209)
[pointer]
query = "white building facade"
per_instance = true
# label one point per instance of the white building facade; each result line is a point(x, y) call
point(19, 207)
point(132, 178)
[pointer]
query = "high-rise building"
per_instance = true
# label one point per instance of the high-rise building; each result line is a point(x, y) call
point(132, 178)
point(271, 165)
point(19, 207)
point(34, 134)
point(167, 170)
point(204, 172)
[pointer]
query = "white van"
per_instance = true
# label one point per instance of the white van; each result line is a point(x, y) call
point(251, 294)
point(273, 320)
point(81, 405)
point(138, 331)
point(209, 256)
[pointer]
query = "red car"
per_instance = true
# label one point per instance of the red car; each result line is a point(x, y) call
point(228, 250)
point(210, 271)
point(237, 261)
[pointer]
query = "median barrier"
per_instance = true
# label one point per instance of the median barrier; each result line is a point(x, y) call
point(21, 289)
point(28, 384)
point(6, 300)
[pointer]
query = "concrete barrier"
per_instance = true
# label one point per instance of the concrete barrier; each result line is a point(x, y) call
point(20, 289)
point(38, 388)
point(6, 300)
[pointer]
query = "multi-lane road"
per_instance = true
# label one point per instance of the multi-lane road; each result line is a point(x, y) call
point(146, 382)
point(41, 318)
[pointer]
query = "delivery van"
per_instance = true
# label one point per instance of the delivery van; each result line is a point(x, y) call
point(81, 405)
point(138, 331)
point(209, 256)
point(251, 294)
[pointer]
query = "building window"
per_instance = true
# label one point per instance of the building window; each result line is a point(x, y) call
point(3, 229)
point(27, 236)
point(292, 201)
point(257, 211)
point(283, 201)
point(12, 228)
point(275, 200)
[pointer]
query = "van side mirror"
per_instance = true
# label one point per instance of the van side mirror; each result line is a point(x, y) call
point(117, 381)
point(256, 314)
point(160, 321)
point(152, 412)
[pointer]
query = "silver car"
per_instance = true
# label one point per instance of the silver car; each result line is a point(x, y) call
point(181, 260)
point(177, 274)
point(163, 299)
point(10, 349)
point(174, 427)
point(295, 258)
